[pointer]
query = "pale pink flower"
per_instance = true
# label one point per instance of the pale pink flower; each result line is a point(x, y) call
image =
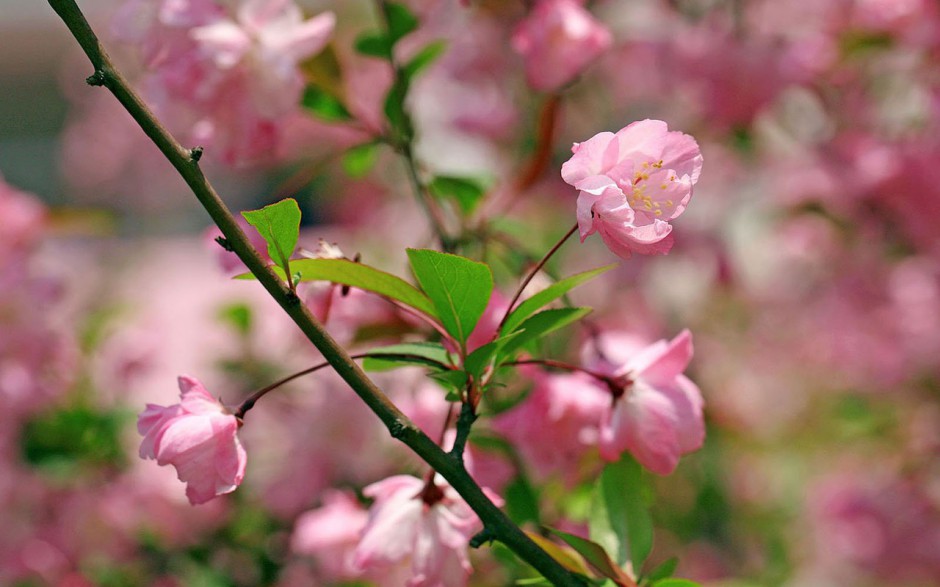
point(330, 534)
point(427, 533)
point(658, 415)
point(632, 183)
point(558, 40)
point(198, 437)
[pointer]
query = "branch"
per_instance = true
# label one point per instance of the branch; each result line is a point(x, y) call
point(399, 426)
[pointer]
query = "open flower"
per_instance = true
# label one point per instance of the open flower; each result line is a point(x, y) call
point(657, 416)
point(632, 183)
point(427, 530)
point(198, 437)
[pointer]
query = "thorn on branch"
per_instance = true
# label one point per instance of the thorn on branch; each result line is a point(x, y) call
point(195, 154)
point(95, 79)
point(223, 242)
point(292, 298)
point(484, 536)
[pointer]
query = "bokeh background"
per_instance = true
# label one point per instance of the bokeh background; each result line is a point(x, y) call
point(807, 267)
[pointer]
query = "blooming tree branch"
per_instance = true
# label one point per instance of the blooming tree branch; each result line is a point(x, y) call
point(186, 162)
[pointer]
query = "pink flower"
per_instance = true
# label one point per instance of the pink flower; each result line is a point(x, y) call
point(198, 437)
point(558, 40)
point(427, 531)
point(331, 534)
point(632, 183)
point(658, 416)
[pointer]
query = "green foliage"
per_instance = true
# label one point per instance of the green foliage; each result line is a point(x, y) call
point(346, 272)
point(522, 501)
point(359, 160)
point(428, 354)
point(676, 583)
point(400, 19)
point(394, 109)
point(238, 316)
point(425, 57)
point(541, 324)
point(467, 193)
point(324, 105)
point(550, 294)
point(374, 44)
point(663, 571)
point(279, 225)
point(620, 519)
point(597, 557)
point(458, 287)
point(64, 439)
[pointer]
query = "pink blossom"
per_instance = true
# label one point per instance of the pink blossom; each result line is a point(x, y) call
point(428, 533)
point(632, 183)
point(558, 40)
point(198, 437)
point(331, 533)
point(225, 73)
point(658, 416)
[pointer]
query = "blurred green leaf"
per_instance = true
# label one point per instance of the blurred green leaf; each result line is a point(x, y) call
point(522, 501)
point(620, 519)
point(324, 105)
point(550, 294)
point(279, 225)
point(79, 435)
point(467, 193)
point(425, 57)
point(238, 316)
point(359, 160)
point(663, 571)
point(401, 20)
point(394, 109)
point(458, 287)
point(676, 583)
point(374, 44)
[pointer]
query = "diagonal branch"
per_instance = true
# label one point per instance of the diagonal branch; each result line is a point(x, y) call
point(186, 162)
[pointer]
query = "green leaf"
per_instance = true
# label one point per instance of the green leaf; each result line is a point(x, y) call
point(394, 109)
point(324, 105)
point(401, 21)
point(424, 58)
point(458, 287)
point(279, 225)
point(550, 294)
point(663, 571)
point(346, 272)
point(541, 324)
point(483, 356)
point(360, 159)
point(455, 382)
point(563, 555)
point(597, 557)
point(374, 44)
point(429, 354)
point(466, 192)
point(620, 519)
point(676, 583)
point(522, 501)
point(238, 316)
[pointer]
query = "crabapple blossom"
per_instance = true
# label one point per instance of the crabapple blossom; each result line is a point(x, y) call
point(330, 533)
point(411, 526)
point(558, 40)
point(632, 183)
point(658, 415)
point(198, 437)
point(226, 73)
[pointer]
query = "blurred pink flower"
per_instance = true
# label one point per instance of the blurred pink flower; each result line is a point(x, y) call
point(558, 40)
point(225, 73)
point(330, 534)
point(428, 531)
point(198, 437)
point(658, 416)
point(632, 183)
point(557, 424)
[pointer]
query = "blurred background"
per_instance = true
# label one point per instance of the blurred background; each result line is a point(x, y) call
point(807, 267)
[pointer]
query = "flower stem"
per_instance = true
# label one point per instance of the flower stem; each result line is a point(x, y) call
point(532, 273)
point(186, 162)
